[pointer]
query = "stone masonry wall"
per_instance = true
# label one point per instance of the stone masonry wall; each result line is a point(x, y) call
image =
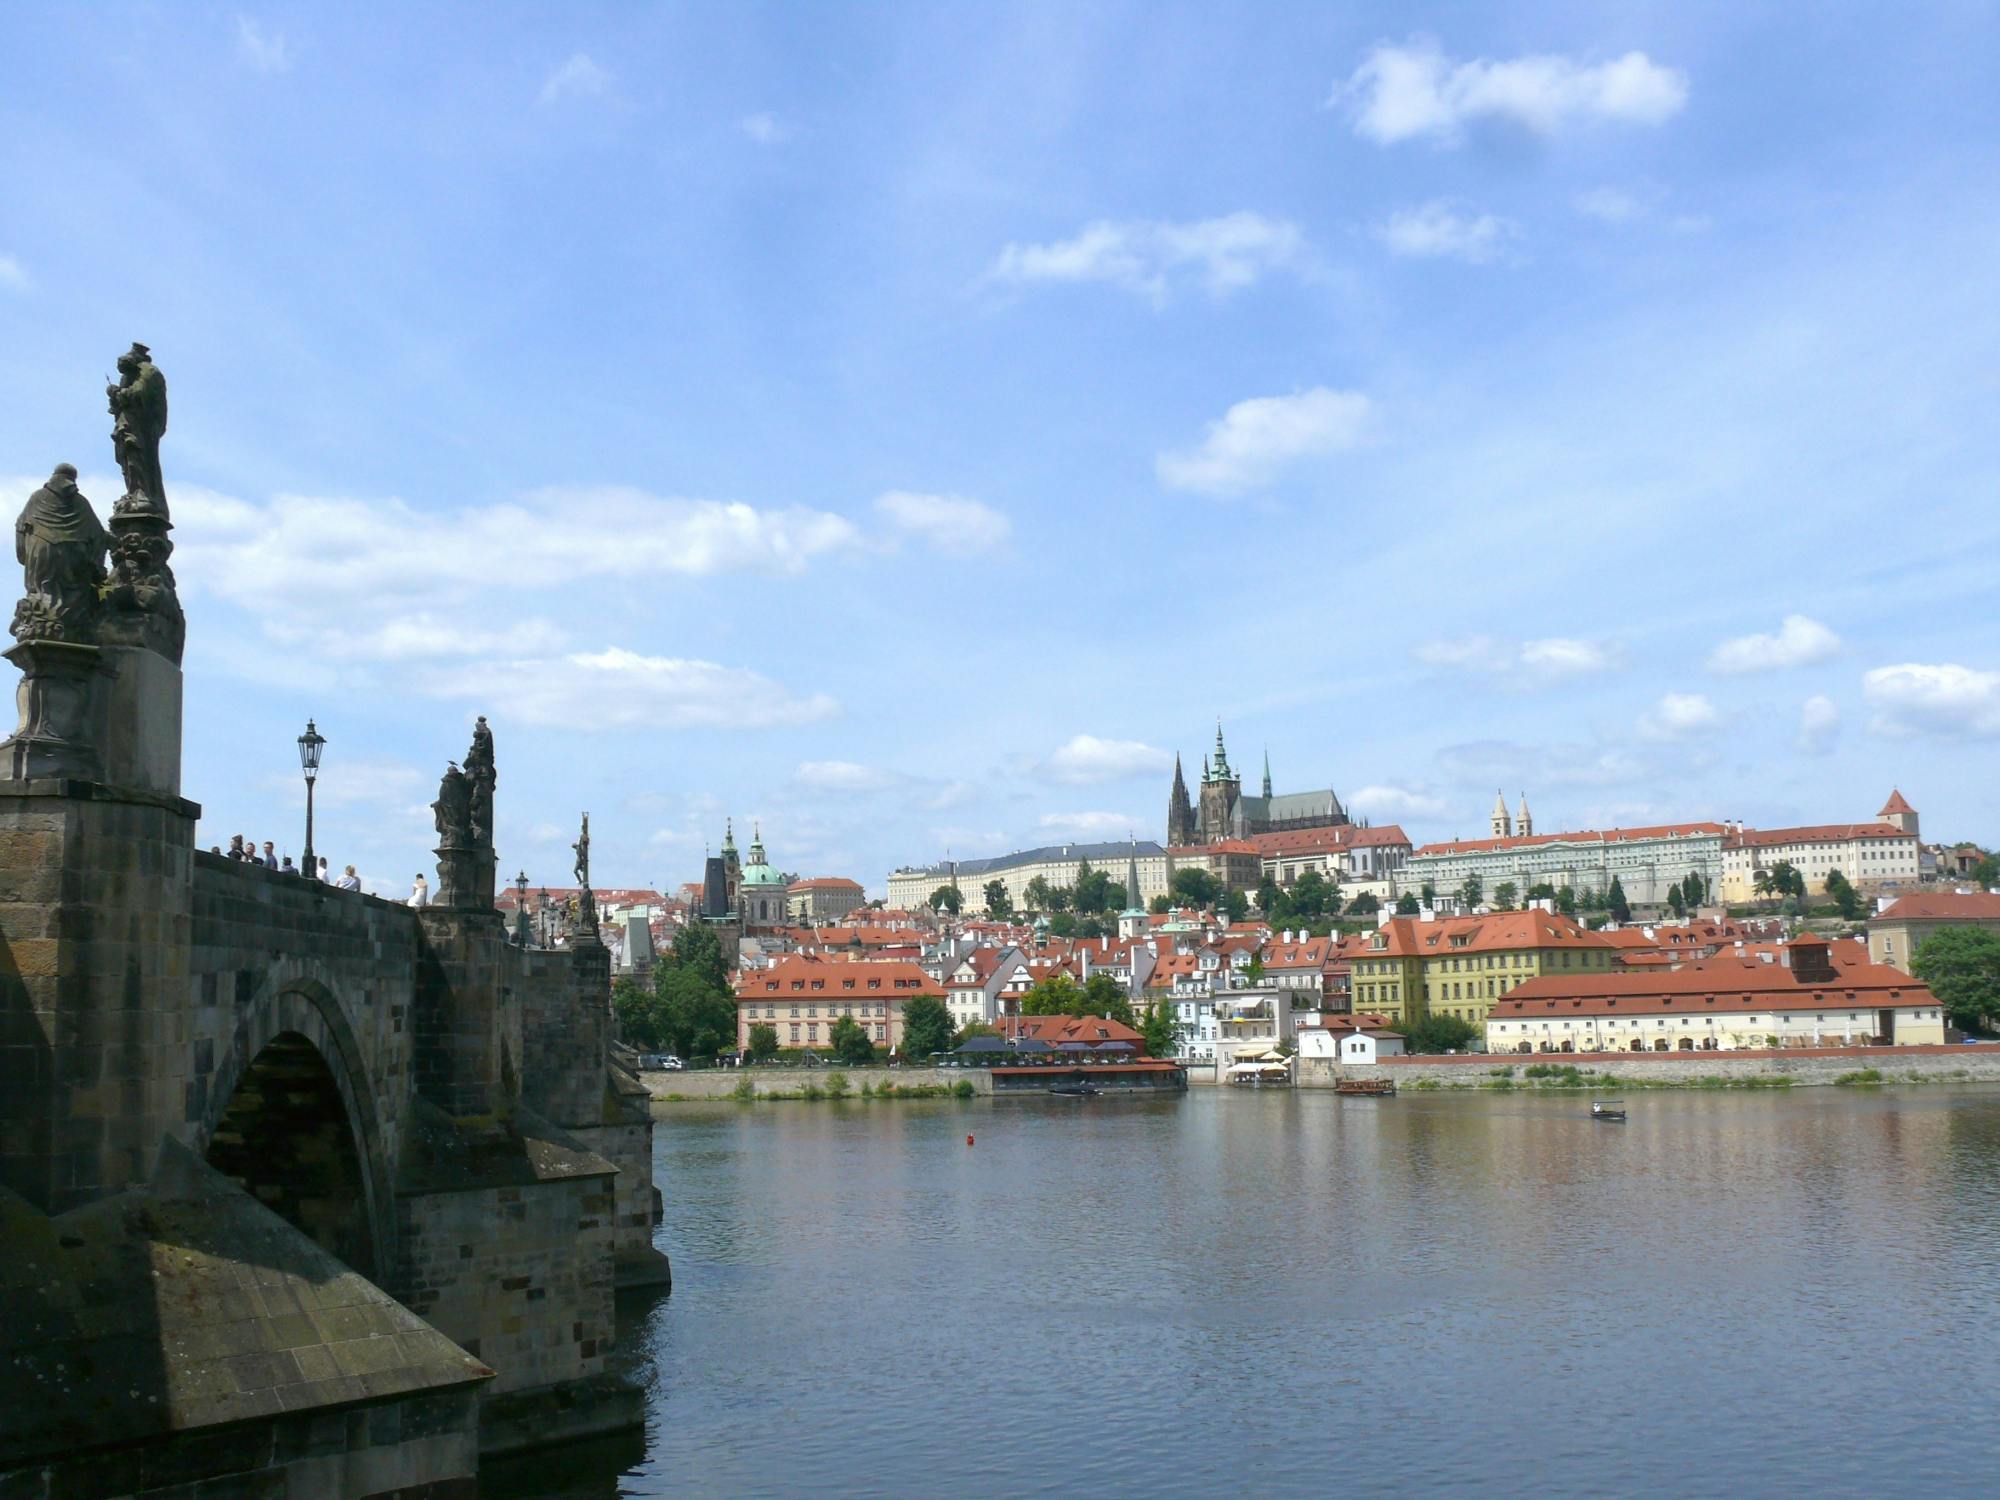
point(519, 1277)
point(1905, 1064)
point(565, 1018)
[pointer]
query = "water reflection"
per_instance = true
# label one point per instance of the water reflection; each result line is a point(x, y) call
point(1285, 1293)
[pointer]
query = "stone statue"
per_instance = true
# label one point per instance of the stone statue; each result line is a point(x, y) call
point(60, 545)
point(139, 413)
point(485, 776)
point(142, 607)
point(453, 809)
point(586, 899)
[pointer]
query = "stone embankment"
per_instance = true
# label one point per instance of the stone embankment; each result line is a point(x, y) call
point(781, 1083)
point(1672, 1069)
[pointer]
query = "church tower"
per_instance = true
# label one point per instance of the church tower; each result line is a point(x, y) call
point(1221, 796)
point(1267, 771)
point(732, 867)
point(1523, 824)
point(1899, 812)
point(1503, 824)
point(1180, 811)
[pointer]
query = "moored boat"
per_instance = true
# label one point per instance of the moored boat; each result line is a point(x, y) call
point(1607, 1109)
point(1367, 1088)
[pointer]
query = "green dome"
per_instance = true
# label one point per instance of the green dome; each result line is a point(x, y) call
point(759, 875)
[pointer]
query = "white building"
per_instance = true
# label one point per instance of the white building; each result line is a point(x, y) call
point(1350, 1040)
point(1056, 864)
point(1646, 862)
point(1872, 856)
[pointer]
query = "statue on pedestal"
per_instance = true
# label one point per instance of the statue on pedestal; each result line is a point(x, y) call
point(60, 545)
point(484, 776)
point(139, 420)
point(455, 850)
point(586, 900)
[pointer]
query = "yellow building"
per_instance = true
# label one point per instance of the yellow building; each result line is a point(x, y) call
point(1803, 996)
point(1411, 967)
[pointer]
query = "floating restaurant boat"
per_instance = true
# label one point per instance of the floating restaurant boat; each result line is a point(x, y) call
point(1074, 1088)
point(1607, 1109)
point(1367, 1088)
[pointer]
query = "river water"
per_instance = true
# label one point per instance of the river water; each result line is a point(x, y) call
point(1282, 1293)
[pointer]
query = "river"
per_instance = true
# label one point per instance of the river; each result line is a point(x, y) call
point(1278, 1294)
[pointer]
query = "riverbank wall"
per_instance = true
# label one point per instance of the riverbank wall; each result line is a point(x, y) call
point(788, 1083)
point(1743, 1069)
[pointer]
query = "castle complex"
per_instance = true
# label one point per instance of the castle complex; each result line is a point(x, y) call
point(1225, 813)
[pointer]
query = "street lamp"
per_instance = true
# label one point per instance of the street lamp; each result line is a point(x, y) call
point(521, 908)
point(309, 748)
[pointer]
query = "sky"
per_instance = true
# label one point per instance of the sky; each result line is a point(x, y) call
point(906, 427)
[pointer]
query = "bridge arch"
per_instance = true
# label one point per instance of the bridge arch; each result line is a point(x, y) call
point(292, 1114)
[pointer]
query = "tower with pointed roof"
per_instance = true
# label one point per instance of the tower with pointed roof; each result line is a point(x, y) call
point(1503, 823)
point(732, 867)
point(1267, 773)
point(763, 886)
point(1180, 811)
point(1523, 824)
point(1221, 797)
point(1899, 812)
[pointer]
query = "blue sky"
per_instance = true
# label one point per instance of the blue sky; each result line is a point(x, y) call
point(908, 426)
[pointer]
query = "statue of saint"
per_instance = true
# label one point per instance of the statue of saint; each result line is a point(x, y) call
point(60, 545)
point(586, 899)
point(485, 775)
point(453, 809)
point(139, 412)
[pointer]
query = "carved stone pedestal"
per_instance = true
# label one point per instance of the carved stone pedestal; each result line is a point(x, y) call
point(62, 702)
point(458, 877)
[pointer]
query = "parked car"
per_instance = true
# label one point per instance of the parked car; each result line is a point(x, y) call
point(671, 1063)
point(652, 1062)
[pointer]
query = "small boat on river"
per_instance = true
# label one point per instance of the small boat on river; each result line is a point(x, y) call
point(1607, 1109)
point(1074, 1088)
point(1367, 1088)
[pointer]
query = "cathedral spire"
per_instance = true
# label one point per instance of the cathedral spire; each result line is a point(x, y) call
point(1503, 825)
point(1221, 755)
point(1523, 823)
point(1267, 773)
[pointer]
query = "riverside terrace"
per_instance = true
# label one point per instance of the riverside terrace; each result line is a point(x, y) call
point(304, 1192)
point(1035, 1052)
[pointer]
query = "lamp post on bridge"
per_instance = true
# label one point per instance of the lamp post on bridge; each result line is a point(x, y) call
point(521, 908)
point(310, 744)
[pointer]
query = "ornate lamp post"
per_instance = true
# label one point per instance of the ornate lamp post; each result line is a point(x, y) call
point(521, 908)
point(309, 747)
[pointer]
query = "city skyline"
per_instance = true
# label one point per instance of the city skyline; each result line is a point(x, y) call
point(1596, 407)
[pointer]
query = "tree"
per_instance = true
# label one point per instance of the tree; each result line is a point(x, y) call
point(1566, 901)
point(1161, 905)
point(1036, 894)
point(1541, 890)
point(1505, 894)
point(1055, 996)
point(1236, 905)
point(1440, 1033)
point(1407, 905)
point(1159, 1030)
point(946, 898)
point(1676, 902)
point(1986, 872)
point(1196, 887)
point(1845, 896)
point(697, 1019)
point(1621, 909)
point(849, 1040)
point(1271, 900)
point(636, 1011)
point(1063, 924)
point(1091, 927)
point(1428, 893)
point(1472, 891)
point(926, 1026)
point(1104, 996)
point(1253, 972)
point(998, 902)
point(763, 1042)
point(1364, 905)
point(697, 947)
point(1962, 967)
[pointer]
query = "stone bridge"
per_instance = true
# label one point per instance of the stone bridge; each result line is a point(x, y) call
point(302, 1192)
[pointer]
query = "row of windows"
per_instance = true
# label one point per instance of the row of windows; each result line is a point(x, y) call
point(812, 1032)
point(771, 1011)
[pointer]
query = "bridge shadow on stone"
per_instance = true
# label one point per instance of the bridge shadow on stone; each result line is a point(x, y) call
point(303, 1191)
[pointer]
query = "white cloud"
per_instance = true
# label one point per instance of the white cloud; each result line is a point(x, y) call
point(1395, 802)
point(1611, 205)
point(1258, 438)
point(765, 129)
point(1518, 664)
point(1086, 760)
point(1944, 700)
point(266, 52)
point(1437, 230)
point(950, 523)
point(620, 689)
point(578, 78)
point(841, 776)
point(1819, 725)
point(13, 275)
point(1799, 643)
point(1087, 826)
point(1678, 716)
point(1151, 258)
point(1401, 93)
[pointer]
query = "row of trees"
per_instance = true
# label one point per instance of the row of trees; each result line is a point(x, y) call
point(688, 1008)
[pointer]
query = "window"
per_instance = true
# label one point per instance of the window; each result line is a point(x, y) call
point(795, 1016)
point(795, 1028)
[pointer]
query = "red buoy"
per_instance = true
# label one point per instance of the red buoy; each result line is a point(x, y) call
point(968, 1140)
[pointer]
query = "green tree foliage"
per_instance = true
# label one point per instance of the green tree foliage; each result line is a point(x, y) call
point(1986, 872)
point(1160, 1031)
point(1440, 1033)
point(1962, 967)
point(1063, 925)
point(1472, 892)
point(697, 947)
point(1235, 905)
point(1253, 972)
point(1845, 896)
point(1364, 905)
point(1161, 905)
point(1196, 888)
point(763, 1041)
point(635, 1011)
point(1620, 908)
point(1428, 893)
point(1102, 995)
point(1676, 901)
point(947, 898)
point(683, 1013)
point(1270, 899)
point(1541, 890)
point(998, 902)
point(849, 1040)
point(1096, 891)
point(1055, 996)
point(1566, 901)
point(1036, 894)
point(1407, 904)
point(1505, 894)
point(926, 1026)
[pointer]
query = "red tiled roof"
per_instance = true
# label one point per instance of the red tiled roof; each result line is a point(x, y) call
point(1586, 836)
point(1411, 937)
point(1714, 985)
point(1942, 906)
point(825, 883)
point(837, 976)
point(1895, 804)
point(1815, 833)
